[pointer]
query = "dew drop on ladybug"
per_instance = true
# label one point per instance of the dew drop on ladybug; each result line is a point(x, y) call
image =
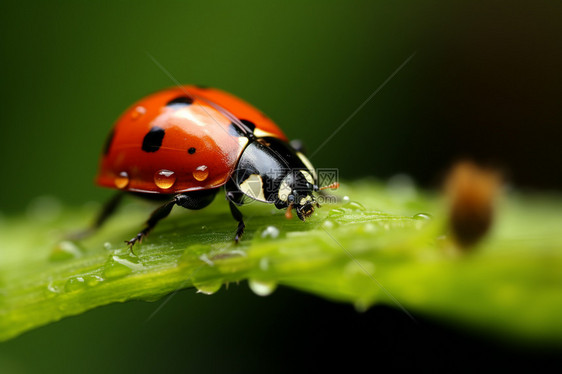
point(201, 173)
point(164, 179)
point(122, 180)
point(138, 111)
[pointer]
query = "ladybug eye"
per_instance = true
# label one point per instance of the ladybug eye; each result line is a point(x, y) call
point(180, 101)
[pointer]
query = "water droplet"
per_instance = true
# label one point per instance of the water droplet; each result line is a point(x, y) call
point(119, 266)
point(164, 179)
point(74, 284)
point(328, 224)
point(208, 287)
point(345, 199)
point(203, 227)
point(93, 280)
point(361, 306)
point(137, 112)
point(122, 180)
point(262, 288)
point(422, 216)
point(354, 205)
point(107, 245)
point(65, 250)
point(201, 173)
point(270, 232)
point(53, 289)
point(336, 212)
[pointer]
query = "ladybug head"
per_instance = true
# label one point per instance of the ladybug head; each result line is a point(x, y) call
point(270, 170)
point(296, 191)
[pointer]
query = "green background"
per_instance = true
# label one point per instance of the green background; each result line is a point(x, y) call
point(485, 83)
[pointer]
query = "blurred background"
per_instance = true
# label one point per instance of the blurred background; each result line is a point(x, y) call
point(484, 83)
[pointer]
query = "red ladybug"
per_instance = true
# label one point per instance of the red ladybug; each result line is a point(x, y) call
point(182, 144)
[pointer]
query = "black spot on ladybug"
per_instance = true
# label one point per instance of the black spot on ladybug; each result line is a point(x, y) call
point(108, 141)
point(237, 130)
point(180, 101)
point(234, 130)
point(153, 139)
point(249, 124)
point(191, 150)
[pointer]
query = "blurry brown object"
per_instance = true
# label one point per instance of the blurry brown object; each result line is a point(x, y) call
point(472, 191)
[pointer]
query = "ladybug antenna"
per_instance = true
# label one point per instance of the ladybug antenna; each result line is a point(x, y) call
point(332, 186)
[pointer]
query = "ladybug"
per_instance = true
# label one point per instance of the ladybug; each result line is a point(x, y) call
point(181, 145)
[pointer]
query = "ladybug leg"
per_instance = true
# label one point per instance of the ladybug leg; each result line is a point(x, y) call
point(238, 217)
point(192, 200)
point(235, 198)
point(160, 213)
point(107, 211)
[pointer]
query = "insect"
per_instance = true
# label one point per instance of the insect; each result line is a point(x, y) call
point(181, 145)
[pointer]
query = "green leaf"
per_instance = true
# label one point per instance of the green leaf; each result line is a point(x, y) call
point(378, 251)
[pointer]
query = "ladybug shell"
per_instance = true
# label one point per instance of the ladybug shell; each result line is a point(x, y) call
point(179, 140)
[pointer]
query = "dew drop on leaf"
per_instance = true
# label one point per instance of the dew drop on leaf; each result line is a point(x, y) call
point(262, 288)
point(270, 232)
point(354, 205)
point(119, 266)
point(74, 284)
point(93, 280)
point(208, 287)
